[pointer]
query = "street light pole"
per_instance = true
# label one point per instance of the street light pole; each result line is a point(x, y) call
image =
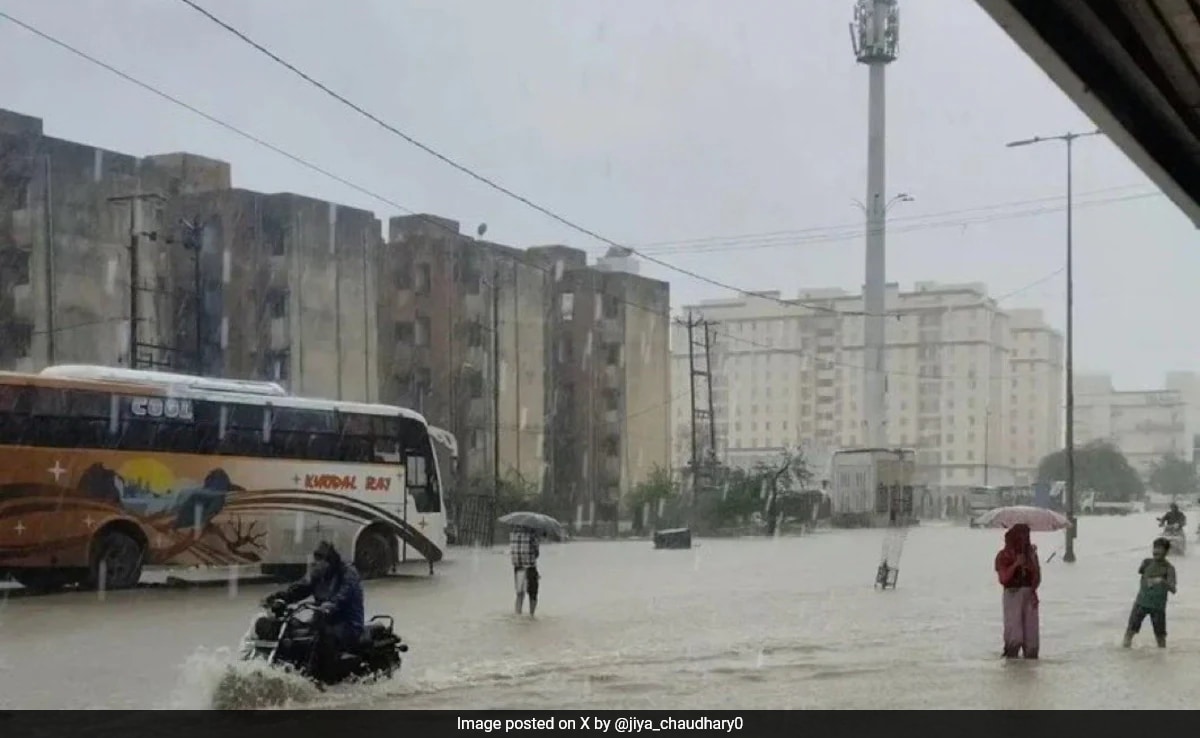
point(1069, 494)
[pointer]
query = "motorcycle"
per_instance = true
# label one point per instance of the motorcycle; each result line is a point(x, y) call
point(286, 636)
point(1178, 538)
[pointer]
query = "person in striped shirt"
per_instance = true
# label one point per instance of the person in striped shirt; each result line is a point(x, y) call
point(524, 551)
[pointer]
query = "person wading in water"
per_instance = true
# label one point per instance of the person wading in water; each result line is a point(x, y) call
point(1020, 574)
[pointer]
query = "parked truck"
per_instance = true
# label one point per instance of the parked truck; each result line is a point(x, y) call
point(872, 487)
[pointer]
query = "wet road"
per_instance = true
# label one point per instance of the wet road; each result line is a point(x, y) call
point(750, 623)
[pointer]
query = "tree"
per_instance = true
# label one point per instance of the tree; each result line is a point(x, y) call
point(660, 494)
point(1099, 466)
point(1175, 477)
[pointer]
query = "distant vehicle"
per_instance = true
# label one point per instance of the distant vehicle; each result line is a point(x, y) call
point(104, 471)
point(872, 487)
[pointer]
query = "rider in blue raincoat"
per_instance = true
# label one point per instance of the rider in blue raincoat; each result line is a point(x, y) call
point(336, 589)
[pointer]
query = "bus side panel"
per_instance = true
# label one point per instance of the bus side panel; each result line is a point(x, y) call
point(191, 509)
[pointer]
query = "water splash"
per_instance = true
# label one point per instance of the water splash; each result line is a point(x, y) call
point(217, 680)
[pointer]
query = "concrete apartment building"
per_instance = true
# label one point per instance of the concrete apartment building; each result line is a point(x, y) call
point(582, 398)
point(442, 297)
point(306, 292)
point(65, 247)
point(612, 404)
point(1145, 425)
point(790, 374)
point(287, 287)
point(285, 281)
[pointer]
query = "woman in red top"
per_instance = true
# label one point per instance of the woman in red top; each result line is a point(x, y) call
point(1020, 574)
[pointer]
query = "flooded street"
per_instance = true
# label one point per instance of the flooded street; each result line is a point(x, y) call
point(749, 624)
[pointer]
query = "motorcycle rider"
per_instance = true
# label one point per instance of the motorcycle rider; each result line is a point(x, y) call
point(335, 587)
point(1173, 519)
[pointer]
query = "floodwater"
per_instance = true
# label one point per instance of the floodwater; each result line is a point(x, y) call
point(737, 624)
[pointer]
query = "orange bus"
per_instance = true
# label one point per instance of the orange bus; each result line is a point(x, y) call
point(104, 472)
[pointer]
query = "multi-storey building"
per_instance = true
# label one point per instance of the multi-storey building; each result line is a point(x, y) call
point(498, 345)
point(447, 302)
point(71, 215)
point(276, 287)
point(611, 403)
point(1035, 389)
point(789, 373)
point(1145, 425)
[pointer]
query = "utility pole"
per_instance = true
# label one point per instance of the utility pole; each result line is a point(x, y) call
point(134, 266)
point(699, 466)
point(1069, 493)
point(192, 241)
point(875, 37)
point(712, 416)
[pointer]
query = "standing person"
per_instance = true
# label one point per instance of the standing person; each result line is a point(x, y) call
point(1020, 574)
point(1158, 583)
point(524, 550)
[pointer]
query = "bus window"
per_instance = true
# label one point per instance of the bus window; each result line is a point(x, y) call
point(154, 424)
point(243, 430)
point(387, 440)
point(206, 430)
point(89, 414)
point(49, 423)
point(15, 401)
point(355, 442)
point(303, 434)
point(417, 468)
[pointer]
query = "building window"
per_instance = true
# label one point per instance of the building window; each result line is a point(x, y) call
point(612, 306)
point(404, 333)
point(402, 277)
point(614, 354)
point(279, 365)
point(277, 304)
point(423, 278)
point(475, 334)
point(612, 400)
point(567, 306)
point(475, 384)
point(421, 331)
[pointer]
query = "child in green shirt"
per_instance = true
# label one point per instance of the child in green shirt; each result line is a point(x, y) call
point(1158, 581)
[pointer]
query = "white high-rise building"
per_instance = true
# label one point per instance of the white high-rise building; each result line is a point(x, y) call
point(787, 375)
point(1145, 425)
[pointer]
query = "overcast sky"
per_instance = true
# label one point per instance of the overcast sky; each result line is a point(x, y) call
point(689, 127)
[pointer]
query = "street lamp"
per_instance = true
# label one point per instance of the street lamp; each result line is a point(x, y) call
point(902, 197)
point(1069, 494)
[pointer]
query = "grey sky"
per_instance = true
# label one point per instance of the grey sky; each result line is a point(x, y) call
point(650, 121)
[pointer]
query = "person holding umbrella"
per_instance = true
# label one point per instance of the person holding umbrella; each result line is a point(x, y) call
point(524, 551)
point(1020, 574)
point(527, 528)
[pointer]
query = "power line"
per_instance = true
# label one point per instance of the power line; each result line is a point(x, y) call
point(480, 177)
point(851, 235)
point(925, 216)
point(338, 178)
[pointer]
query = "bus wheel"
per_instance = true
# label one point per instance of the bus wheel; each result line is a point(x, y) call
point(116, 561)
point(373, 555)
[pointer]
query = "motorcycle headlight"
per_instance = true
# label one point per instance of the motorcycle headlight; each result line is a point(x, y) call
point(266, 628)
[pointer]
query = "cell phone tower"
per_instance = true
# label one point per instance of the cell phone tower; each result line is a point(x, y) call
point(875, 36)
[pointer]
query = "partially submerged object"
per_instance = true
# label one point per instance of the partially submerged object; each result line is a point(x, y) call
point(886, 575)
point(673, 538)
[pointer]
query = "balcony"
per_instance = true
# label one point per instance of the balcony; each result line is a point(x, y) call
point(23, 227)
point(23, 302)
point(280, 334)
point(611, 330)
point(277, 275)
